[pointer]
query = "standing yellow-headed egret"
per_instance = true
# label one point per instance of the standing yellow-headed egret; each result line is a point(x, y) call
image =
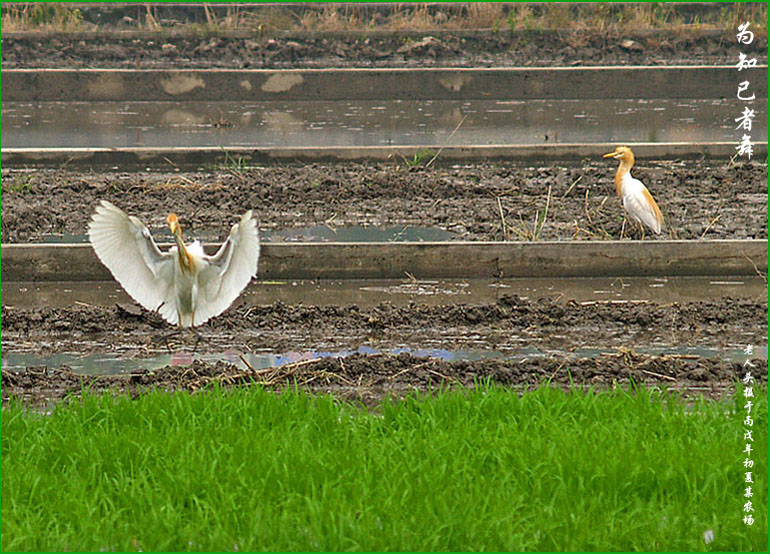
point(637, 200)
point(185, 285)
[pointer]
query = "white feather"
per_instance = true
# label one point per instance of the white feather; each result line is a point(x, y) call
point(124, 245)
point(156, 280)
point(227, 272)
point(636, 204)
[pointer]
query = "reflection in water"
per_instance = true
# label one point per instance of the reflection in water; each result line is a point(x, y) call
point(103, 364)
point(370, 292)
point(346, 123)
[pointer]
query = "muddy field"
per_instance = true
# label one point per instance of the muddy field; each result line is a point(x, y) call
point(369, 379)
point(699, 198)
point(445, 49)
point(507, 325)
point(717, 200)
point(480, 201)
point(515, 327)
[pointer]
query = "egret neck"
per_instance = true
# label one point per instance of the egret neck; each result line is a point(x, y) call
point(185, 260)
point(626, 163)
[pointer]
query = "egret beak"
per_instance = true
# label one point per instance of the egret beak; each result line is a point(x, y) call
point(173, 223)
point(610, 155)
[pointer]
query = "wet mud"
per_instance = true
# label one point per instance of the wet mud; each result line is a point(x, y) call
point(709, 199)
point(481, 201)
point(441, 49)
point(368, 379)
point(511, 325)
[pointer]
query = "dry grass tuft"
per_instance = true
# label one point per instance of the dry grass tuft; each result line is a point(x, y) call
point(43, 17)
point(497, 16)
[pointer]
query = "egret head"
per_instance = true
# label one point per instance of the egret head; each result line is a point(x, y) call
point(622, 153)
point(173, 223)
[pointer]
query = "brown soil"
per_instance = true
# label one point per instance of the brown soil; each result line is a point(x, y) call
point(442, 49)
point(508, 325)
point(701, 198)
point(370, 378)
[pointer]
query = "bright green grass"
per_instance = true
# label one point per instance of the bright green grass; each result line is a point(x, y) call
point(459, 471)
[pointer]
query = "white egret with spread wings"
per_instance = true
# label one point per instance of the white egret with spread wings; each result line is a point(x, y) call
point(185, 285)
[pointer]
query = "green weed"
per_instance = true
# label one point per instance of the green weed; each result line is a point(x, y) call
point(21, 184)
point(419, 157)
point(234, 165)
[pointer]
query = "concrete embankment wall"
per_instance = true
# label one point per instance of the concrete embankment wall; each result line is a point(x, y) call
point(41, 262)
point(83, 85)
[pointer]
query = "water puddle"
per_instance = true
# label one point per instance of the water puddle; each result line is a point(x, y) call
point(366, 293)
point(315, 233)
point(112, 364)
point(346, 123)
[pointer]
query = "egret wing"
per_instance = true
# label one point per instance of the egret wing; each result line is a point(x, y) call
point(228, 271)
point(124, 245)
point(639, 203)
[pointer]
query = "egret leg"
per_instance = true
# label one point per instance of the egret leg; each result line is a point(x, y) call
point(198, 338)
point(179, 331)
point(641, 230)
point(623, 228)
point(164, 338)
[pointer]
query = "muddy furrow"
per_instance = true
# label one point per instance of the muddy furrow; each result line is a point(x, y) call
point(510, 324)
point(699, 199)
point(371, 378)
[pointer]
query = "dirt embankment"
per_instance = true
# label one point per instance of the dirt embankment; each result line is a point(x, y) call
point(699, 199)
point(442, 49)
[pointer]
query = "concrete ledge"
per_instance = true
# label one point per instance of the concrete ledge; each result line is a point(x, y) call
point(644, 82)
point(202, 157)
point(62, 262)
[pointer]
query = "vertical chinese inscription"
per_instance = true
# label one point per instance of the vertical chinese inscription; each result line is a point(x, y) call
point(748, 439)
point(745, 37)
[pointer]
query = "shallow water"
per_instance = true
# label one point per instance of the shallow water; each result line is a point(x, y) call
point(371, 292)
point(346, 123)
point(109, 364)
